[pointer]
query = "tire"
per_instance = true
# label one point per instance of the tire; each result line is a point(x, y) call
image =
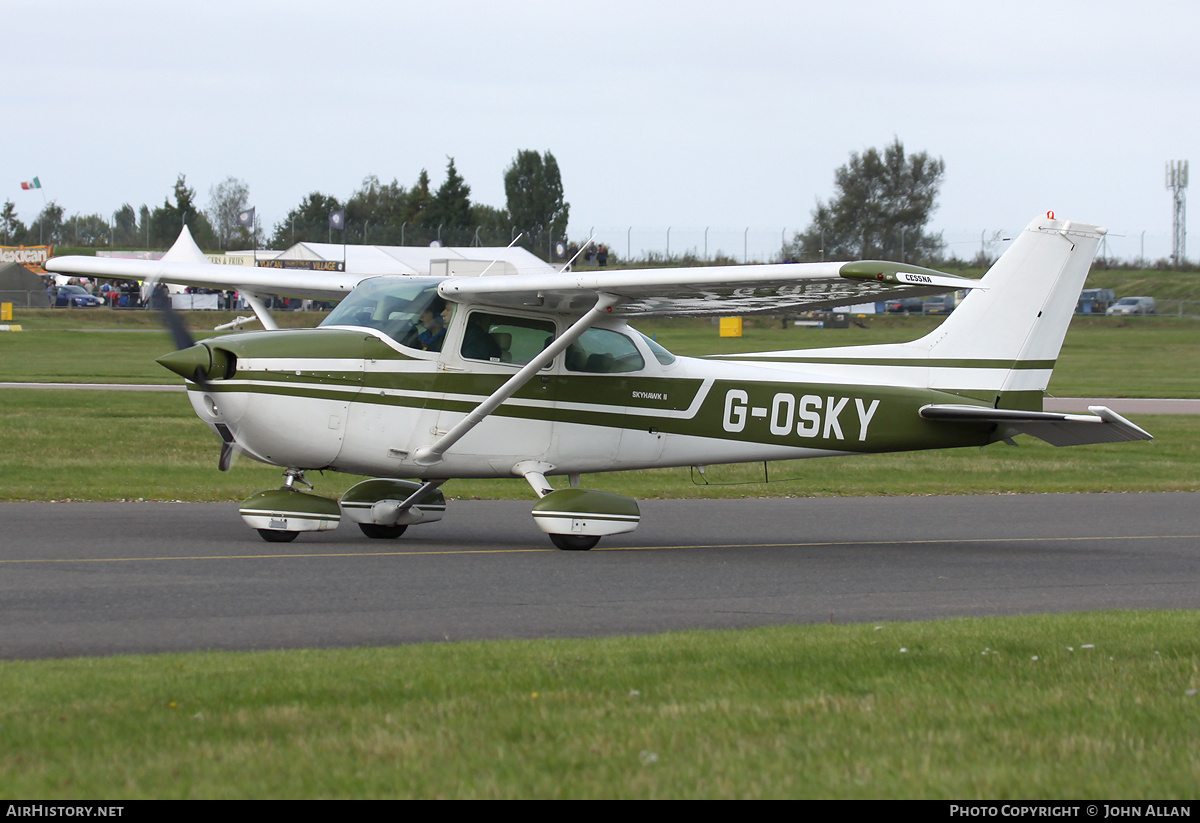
point(276, 536)
point(574, 542)
point(381, 532)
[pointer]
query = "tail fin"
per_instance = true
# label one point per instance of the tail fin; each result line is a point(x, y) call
point(1021, 321)
point(1009, 335)
point(1000, 344)
point(1022, 316)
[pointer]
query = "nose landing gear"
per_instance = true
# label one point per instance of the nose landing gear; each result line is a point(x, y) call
point(279, 515)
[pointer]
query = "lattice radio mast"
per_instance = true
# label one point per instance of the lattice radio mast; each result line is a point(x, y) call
point(1177, 180)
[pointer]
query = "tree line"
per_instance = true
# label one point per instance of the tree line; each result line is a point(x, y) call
point(882, 204)
point(376, 213)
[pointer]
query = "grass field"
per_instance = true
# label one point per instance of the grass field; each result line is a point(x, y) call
point(115, 445)
point(1100, 706)
point(94, 446)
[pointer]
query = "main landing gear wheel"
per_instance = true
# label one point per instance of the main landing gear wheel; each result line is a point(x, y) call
point(277, 536)
point(574, 542)
point(381, 532)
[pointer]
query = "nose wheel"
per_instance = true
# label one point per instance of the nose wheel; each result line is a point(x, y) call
point(279, 515)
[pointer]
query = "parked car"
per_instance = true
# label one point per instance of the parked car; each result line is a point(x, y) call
point(1132, 305)
point(904, 305)
point(1095, 301)
point(76, 296)
point(938, 304)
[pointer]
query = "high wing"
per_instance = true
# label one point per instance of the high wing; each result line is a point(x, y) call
point(185, 264)
point(715, 290)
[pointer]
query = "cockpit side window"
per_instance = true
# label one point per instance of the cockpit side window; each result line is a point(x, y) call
point(406, 309)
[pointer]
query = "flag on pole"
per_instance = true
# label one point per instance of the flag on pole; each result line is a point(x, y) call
point(26, 185)
point(337, 219)
point(246, 218)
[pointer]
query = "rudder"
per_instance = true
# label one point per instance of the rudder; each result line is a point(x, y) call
point(1023, 315)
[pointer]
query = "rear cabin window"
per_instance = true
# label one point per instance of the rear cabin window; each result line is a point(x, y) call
point(660, 354)
point(601, 351)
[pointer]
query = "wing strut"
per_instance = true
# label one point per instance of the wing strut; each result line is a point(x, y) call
point(431, 455)
point(260, 310)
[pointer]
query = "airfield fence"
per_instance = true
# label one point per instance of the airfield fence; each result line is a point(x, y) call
point(750, 244)
point(1178, 308)
point(22, 299)
point(674, 243)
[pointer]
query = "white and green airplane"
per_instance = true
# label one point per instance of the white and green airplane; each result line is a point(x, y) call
point(415, 380)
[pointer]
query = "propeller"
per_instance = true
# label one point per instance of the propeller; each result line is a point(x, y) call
point(189, 360)
point(184, 342)
point(229, 448)
point(192, 360)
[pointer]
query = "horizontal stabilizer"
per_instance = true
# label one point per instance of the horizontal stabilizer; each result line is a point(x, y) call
point(1103, 425)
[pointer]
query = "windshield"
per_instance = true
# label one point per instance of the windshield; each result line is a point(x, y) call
point(391, 304)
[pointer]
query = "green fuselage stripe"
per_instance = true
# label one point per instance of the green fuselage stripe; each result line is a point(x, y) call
point(930, 363)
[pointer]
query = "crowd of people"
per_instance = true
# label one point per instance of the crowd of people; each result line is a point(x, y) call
point(115, 293)
point(129, 294)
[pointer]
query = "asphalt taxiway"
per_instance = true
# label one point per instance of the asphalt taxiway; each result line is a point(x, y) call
point(96, 578)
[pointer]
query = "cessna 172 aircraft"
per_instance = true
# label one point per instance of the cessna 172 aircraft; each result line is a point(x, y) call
point(414, 380)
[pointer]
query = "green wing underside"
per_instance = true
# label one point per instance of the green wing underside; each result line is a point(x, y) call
point(711, 291)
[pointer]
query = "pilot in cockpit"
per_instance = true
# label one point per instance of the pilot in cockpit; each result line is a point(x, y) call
point(433, 325)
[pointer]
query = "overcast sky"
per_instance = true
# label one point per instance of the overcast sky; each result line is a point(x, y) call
point(661, 114)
